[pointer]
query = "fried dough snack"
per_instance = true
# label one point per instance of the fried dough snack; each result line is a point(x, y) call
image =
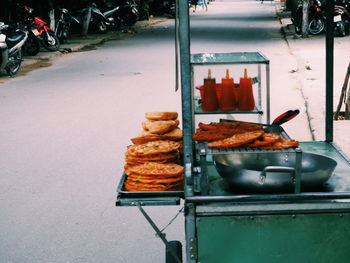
point(168, 180)
point(173, 157)
point(265, 139)
point(211, 135)
point(161, 115)
point(153, 148)
point(231, 125)
point(138, 187)
point(174, 135)
point(154, 177)
point(281, 144)
point(155, 169)
point(237, 139)
point(221, 130)
point(160, 127)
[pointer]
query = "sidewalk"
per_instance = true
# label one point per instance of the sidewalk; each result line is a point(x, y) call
point(310, 55)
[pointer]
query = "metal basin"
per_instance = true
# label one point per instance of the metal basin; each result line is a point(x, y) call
point(273, 171)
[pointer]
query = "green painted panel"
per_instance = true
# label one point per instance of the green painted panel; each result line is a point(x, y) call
point(314, 238)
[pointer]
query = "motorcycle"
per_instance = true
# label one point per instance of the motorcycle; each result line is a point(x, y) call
point(63, 25)
point(40, 30)
point(97, 20)
point(32, 45)
point(342, 17)
point(11, 43)
point(127, 13)
point(317, 18)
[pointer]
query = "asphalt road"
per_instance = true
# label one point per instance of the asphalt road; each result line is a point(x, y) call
point(64, 131)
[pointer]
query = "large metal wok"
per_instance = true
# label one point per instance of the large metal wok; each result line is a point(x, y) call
point(274, 171)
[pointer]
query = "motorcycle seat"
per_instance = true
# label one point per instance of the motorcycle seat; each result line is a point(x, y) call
point(15, 37)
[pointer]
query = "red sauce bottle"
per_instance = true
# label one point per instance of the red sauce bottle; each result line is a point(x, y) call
point(246, 98)
point(209, 99)
point(227, 98)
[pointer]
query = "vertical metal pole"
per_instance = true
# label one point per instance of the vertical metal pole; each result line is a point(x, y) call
point(298, 160)
point(191, 238)
point(176, 45)
point(259, 90)
point(329, 69)
point(268, 93)
point(187, 118)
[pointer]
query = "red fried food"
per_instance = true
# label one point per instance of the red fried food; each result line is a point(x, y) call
point(237, 139)
point(265, 139)
point(239, 126)
point(281, 144)
point(211, 135)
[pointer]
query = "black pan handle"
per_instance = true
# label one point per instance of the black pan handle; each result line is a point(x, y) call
point(284, 117)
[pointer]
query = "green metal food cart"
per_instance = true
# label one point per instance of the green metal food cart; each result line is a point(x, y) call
point(223, 225)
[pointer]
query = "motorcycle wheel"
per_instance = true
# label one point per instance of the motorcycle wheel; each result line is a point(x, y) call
point(32, 45)
point(14, 63)
point(50, 41)
point(62, 32)
point(341, 29)
point(316, 26)
point(102, 27)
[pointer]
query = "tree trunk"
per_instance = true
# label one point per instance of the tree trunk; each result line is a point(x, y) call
point(52, 23)
point(86, 21)
point(305, 20)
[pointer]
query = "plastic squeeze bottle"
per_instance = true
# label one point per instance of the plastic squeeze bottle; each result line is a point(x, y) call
point(227, 98)
point(246, 98)
point(209, 100)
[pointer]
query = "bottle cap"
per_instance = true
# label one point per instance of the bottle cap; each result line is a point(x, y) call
point(209, 73)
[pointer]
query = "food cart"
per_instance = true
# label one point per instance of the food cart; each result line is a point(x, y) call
point(255, 217)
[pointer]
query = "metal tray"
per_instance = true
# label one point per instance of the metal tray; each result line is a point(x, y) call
point(124, 193)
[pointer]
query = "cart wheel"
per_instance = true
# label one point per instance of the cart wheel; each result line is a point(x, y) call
point(177, 248)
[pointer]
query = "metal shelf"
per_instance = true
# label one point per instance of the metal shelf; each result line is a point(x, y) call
point(229, 58)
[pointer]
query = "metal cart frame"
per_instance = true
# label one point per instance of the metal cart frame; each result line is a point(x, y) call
point(258, 227)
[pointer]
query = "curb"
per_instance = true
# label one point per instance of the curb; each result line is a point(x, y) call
point(77, 43)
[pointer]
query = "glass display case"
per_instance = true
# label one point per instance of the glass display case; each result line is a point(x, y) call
point(231, 83)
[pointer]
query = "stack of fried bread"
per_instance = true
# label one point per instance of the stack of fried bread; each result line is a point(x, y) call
point(152, 176)
point(153, 161)
point(161, 151)
point(159, 126)
point(240, 134)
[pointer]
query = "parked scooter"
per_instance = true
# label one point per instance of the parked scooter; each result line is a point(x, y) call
point(63, 25)
point(342, 17)
point(98, 20)
point(11, 43)
point(32, 45)
point(317, 18)
point(109, 15)
point(40, 30)
point(127, 14)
